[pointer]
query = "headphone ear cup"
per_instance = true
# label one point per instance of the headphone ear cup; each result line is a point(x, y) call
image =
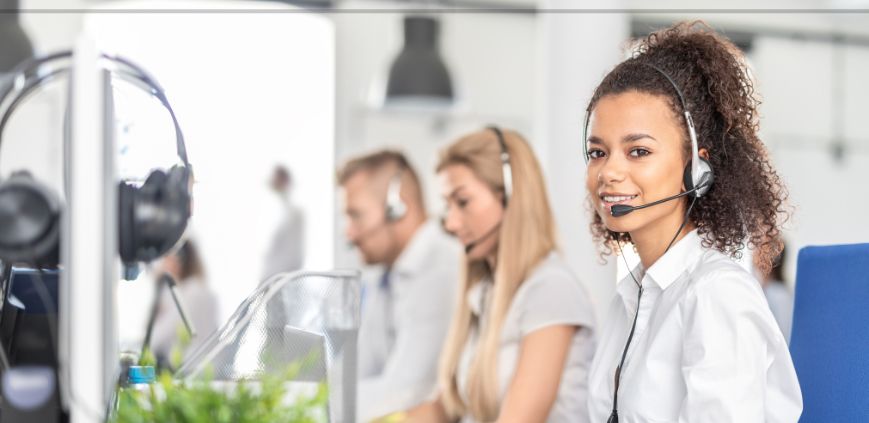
point(707, 177)
point(395, 207)
point(126, 228)
point(29, 222)
point(153, 218)
point(395, 211)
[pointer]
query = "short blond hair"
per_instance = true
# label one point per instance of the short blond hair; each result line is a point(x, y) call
point(380, 161)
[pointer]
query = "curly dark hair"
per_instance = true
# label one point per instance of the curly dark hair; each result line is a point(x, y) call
point(747, 203)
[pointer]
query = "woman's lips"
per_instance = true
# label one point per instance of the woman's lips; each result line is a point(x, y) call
point(608, 200)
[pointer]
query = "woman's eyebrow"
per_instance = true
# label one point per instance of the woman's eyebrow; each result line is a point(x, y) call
point(455, 192)
point(636, 137)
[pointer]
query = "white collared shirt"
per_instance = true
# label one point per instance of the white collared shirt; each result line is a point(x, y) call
point(550, 296)
point(404, 325)
point(706, 347)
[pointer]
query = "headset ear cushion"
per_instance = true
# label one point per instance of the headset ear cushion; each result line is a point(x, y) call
point(29, 222)
point(126, 228)
point(707, 178)
point(153, 217)
point(395, 212)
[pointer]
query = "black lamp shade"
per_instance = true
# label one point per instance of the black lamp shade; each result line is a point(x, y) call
point(15, 47)
point(418, 73)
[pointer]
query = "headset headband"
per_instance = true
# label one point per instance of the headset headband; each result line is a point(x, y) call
point(692, 133)
point(21, 84)
point(506, 169)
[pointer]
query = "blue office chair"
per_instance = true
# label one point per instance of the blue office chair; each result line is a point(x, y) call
point(830, 335)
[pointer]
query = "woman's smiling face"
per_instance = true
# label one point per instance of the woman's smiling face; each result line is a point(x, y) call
point(636, 149)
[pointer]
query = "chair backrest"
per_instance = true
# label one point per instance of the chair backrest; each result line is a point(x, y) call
point(830, 336)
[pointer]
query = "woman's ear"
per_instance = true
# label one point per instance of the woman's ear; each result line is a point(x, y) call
point(704, 153)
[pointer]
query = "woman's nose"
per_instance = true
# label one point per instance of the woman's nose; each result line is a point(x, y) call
point(449, 221)
point(611, 170)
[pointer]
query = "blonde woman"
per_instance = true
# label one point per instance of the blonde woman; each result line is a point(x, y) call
point(521, 338)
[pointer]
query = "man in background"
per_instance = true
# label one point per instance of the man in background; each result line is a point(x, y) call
point(406, 313)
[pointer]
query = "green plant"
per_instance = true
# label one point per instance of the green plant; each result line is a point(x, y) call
point(199, 401)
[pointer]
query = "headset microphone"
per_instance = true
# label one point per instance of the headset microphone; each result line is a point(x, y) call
point(473, 244)
point(619, 210)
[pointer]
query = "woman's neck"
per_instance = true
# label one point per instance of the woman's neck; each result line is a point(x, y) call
point(652, 241)
point(492, 260)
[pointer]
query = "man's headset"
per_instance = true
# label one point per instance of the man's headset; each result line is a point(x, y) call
point(697, 177)
point(507, 175)
point(152, 218)
point(394, 206)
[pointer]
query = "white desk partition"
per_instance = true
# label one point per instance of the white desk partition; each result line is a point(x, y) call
point(87, 335)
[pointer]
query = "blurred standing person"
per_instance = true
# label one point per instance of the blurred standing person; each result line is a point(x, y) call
point(287, 250)
point(200, 304)
point(405, 315)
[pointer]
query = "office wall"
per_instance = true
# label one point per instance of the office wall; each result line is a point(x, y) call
point(575, 52)
point(802, 115)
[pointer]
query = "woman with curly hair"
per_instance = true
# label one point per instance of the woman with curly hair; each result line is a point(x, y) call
point(676, 168)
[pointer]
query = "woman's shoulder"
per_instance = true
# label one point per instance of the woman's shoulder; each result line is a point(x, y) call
point(552, 270)
point(718, 278)
point(714, 267)
point(723, 294)
point(553, 293)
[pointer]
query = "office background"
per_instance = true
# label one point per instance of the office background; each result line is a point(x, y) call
point(305, 90)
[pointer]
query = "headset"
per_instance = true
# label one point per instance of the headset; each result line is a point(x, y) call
point(506, 169)
point(698, 176)
point(395, 206)
point(507, 176)
point(152, 217)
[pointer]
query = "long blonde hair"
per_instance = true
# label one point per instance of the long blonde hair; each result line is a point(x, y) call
point(527, 235)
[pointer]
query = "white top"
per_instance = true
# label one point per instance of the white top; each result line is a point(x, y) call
point(706, 347)
point(404, 323)
point(200, 304)
point(550, 296)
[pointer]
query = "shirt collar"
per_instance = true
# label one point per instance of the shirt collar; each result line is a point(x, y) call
point(681, 256)
point(416, 251)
